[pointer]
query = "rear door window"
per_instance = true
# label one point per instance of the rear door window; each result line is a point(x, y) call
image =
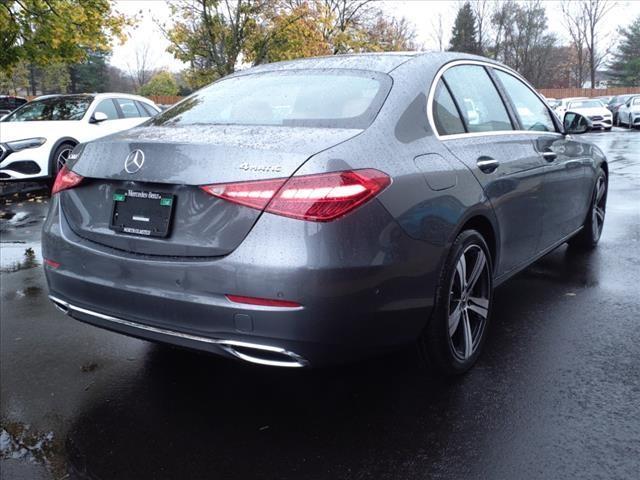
point(108, 108)
point(445, 114)
point(128, 108)
point(532, 112)
point(147, 109)
point(479, 101)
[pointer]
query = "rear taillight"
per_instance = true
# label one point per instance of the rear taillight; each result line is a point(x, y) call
point(263, 302)
point(50, 263)
point(319, 198)
point(65, 179)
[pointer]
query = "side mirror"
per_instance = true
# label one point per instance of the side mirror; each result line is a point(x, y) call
point(98, 117)
point(576, 123)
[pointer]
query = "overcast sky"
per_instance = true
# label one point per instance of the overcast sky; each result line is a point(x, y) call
point(420, 12)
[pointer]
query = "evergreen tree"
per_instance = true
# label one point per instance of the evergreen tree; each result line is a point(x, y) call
point(625, 67)
point(90, 75)
point(464, 33)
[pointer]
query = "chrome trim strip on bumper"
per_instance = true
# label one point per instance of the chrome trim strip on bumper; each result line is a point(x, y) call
point(230, 346)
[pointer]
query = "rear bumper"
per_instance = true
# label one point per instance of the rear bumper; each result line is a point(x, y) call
point(249, 352)
point(364, 289)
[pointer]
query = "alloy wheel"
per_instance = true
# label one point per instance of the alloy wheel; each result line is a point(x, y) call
point(62, 158)
point(469, 298)
point(598, 209)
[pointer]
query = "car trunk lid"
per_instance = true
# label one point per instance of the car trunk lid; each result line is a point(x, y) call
point(177, 160)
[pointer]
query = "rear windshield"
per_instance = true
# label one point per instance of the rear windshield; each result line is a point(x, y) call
point(54, 108)
point(318, 98)
point(586, 104)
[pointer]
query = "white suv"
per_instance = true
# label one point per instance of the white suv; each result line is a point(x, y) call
point(37, 138)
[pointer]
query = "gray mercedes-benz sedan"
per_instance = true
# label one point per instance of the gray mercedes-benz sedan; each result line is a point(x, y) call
point(320, 210)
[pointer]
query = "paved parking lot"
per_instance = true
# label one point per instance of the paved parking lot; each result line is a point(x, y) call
point(556, 393)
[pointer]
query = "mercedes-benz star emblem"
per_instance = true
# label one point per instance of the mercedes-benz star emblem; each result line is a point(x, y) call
point(134, 161)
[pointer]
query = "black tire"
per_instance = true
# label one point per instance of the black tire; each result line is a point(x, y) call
point(608, 129)
point(439, 342)
point(56, 164)
point(591, 232)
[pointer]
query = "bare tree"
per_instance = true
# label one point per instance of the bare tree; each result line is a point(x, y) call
point(438, 32)
point(143, 67)
point(482, 10)
point(346, 14)
point(575, 22)
point(522, 39)
point(595, 11)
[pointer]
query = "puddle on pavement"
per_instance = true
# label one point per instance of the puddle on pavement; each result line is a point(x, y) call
point(20, 442)
point(15, 256)
point(10, 219)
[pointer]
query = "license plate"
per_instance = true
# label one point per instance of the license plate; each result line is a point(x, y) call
point(144, 213)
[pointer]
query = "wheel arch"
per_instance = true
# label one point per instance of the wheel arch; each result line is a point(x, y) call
point(484, 223)
point(605, 167)
point(55, 146)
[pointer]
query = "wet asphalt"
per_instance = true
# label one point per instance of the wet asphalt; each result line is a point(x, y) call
point(556, 393)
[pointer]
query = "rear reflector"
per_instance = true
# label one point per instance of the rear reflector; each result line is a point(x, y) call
point(265, 302)
point(319, 198)
point(51, 263)
point(65, 179)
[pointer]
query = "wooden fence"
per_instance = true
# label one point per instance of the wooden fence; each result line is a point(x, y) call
point(587, 92)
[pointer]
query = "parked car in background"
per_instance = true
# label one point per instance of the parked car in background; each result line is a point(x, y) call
point(9, 103)
point(615, 103)
point(37, 138)
point(594, 110)
point(553, 103)
point(320, 210)
point(604, 99)
point(561, 106)
point(629, 113)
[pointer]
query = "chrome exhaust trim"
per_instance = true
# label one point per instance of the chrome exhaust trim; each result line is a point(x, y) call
point(235, 348)
point(60, 305)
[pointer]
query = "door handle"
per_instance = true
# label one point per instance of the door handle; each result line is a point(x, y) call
point(549, 156)
point(487, 164)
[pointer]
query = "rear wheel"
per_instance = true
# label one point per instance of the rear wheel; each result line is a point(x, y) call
point(591, 231)
point(453, 339)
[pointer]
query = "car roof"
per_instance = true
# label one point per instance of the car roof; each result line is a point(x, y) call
point(100, 96)
point(97, 96)
point(63, 95)
point(383, 62)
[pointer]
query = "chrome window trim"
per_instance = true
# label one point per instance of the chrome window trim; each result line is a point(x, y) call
point(454, 136)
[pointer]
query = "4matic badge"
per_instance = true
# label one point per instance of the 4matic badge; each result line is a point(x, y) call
point(247, 167)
